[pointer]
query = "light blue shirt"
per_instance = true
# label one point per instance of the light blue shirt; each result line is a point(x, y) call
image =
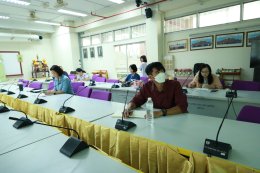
point(63, 84)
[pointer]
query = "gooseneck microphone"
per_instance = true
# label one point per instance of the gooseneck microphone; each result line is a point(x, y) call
point(3, 90)
point(185, 91)
point(3, 108)
point(216, 148)
point(122, 124)
point(10, 92)
point(22, 122)
point(38, 100)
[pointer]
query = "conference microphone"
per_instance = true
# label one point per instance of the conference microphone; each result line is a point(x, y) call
point(22, 122)
point(122, 124)
point(72, 145)
point(216, 148)
point(38, 100)
point(185, 91)
point(65, 109)
point(21, 96)
point(3, 108)
point(3, 90)
point(10, 92)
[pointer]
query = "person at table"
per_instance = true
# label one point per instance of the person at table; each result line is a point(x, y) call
point(62, 83)
point(133, 75)
point(143, 65)
point(81, 75)
point(205, 79)
point(64, 72)
point(166, 95)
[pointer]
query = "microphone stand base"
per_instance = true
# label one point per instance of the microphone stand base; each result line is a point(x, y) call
point(73, 146)
point(216, 148)
point(23, 123)
point(4, 109)
point(65, 109)
point(3, 90)
point(10, 93)
point(40, 101)
point(124, 125)
point(22, 96)
point(184, 91)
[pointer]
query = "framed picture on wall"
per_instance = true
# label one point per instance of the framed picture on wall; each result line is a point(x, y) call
point(85, 53)
point(252, 35)
point(92, 52)
point(100, 51)
point(229, 40)
point(178, 45)
point(201, 43)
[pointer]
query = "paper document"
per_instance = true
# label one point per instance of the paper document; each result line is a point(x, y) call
point(136, 114)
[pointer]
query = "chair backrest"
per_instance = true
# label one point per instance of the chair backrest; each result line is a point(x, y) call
point(76, 85)
point(245, 85)
point(51, 86)
point(84, 91)
point(196, 68)
point(25, 83)
point(72, 76)
point(35, 85)
point(112, 81)
point(95, 76)
point(249, 114)
point(100, 79)
point(101, 95)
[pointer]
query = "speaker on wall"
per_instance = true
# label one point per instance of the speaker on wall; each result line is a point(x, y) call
point(148, 13)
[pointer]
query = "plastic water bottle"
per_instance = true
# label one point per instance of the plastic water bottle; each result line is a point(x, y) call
point(149, 111)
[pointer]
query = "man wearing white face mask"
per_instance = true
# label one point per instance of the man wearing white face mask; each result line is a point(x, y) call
point(166, 94)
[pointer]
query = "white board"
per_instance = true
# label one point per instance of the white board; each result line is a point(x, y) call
point(12, 66)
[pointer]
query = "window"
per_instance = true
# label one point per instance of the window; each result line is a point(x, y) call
point(138, 31)
point(182, 23)
point(86, 41)
point(122, 34)
point(107, 37)
point(251, 10)
point(220, 16)
point(95, 39)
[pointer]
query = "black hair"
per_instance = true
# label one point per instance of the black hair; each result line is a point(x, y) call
point(144, 58)
point(210, 77)
point(80, 70)
point(133, 67)
point(157, 65)
point(57, 69)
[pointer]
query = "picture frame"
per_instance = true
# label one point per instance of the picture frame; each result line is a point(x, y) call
point(85, 53)
point(178, 45)
point(199, 43)
point(252, 35)
point(92, 52)
point(100, 51)
point(229, 40)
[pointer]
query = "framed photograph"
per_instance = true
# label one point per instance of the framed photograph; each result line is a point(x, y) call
point(92, 52)
point(178, 45)
point(229, 40)
point(85, 53)
point(252, 35)
point(201, 43)
point(100, 51)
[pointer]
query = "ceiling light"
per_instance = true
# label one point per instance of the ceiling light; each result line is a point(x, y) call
point(4, 17)
point(18, 2)
point(117, 1)
point(72, 13)
point(47, 23)
point(26, 36)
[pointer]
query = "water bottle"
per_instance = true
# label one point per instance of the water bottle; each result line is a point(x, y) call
point(149, 111)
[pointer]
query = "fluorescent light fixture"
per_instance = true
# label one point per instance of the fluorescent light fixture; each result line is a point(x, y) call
point(25, 36)
point(4, 17)
point(117, 1)
point(47, 23)
point(18, 2)
point(72, 13)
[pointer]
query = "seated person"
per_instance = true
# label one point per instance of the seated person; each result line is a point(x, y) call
point(133, 75)
point(81, 75)
point(205, 79)
point(166, 94)
point(62, 83)
point(64, 72)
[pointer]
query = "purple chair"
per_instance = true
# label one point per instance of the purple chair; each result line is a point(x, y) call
point(76, 85)
point(101, 95)
point(100, 79)
point(112, 81)
point(84, 91)
point(144, 79)
point(24, 82)
point(35, 85)
point(245, 85)
point(51, 86)
point(72, 76)
point(95, 76)
point(249, 114)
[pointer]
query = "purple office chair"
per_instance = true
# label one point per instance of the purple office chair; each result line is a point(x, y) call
point(95, 76)
point(72, 76)
point(101, 95)
point(249, 114)
point(84, 91)
point(245, 85)
point(100, 79)
point(76, 85)
point(35, 85)
point(51, 86)
point(25, 83)
point(112, 81)
point(144, 79)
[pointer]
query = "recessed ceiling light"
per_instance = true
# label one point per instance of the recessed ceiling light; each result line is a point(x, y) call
point(18, 2)
point(47, 23)
point(72, 13)
point(4, 17)
point(117, 1)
